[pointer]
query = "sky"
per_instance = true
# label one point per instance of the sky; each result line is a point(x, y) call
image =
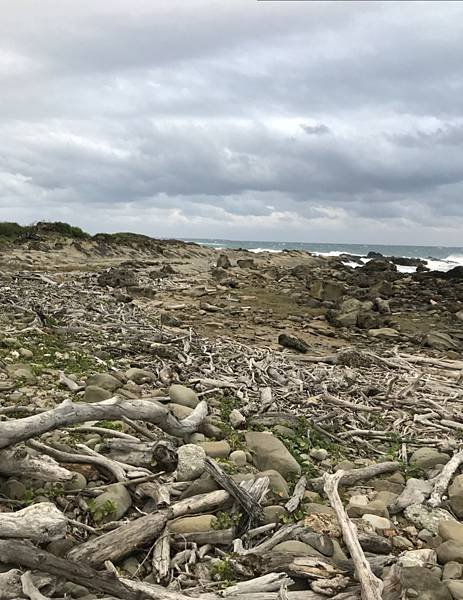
point(250, 120)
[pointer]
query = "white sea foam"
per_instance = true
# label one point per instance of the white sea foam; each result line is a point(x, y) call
point(258, 250)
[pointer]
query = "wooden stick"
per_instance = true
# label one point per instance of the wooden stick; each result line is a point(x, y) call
point(370, 585)
point(298, 493)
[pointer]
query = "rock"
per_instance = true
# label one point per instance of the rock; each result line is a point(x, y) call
point(78, 482)
point(375, 507)
point(93, 393)
point(278, 485)
point(196, 438)
point(274, 513)
point(193, 524)
point(456, 496)
point(140, 376)
point(190, 462)
point(296, 548)
point(422, 581)
point(200, 486)
point(270, 453)
point(450, 551)
point(246, 263)
point(386, 333)
point(452, 570)
point(440, 341)
point(378, 264)
point(21, 371)
point(402, 543)
point(14, 489)
point(236, 419)
point(117, 277)
point(425, 518)
point(459, 315)
point(105, 381)
point(61, 547)
point(323, 290)
point(238, 458)
point(181, 412)
point(427, 458)
point(180, 394)
point(284, 431)
point(321, 543)
point(318, 454)
point(216, 449)
point(223, 262)
point(456, 589)
point(293, 342)
point(345, 465)
point(26, 353)
point(382, 306)
point(417, 558)
point(112, 504)
point(131, 566)
point(378, 523)
point(451, 530)
point(316, 508)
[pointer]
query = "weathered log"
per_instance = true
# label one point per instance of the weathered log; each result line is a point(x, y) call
point(355, 475)
point(298, 493)
point(24, 554)
point(17, 461)
point(120, 542)
point(442, 481)
point(161, 556)
point(70, 413)
point(306, 567)
point(370, 585)
point(41, 522)
point(266, 583)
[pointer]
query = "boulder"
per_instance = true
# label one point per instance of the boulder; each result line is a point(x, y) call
point(193, 524)
point(456, 589)
point(278, 486)
point(418, 558)
point(423, 584)
point(180, 394)
point(112, 504)
point(190, 464)
point(270, 453)
point(140, 376)
point(179, 411)
point(216, 449)
point(238, 458)
point(296, 548)
point(385, 333)
point(440, 341)
point(450, 551)
point(375, 507)
point(223, 262)
point(246, 263)
point(378, 523)
point(451, 530)
point(456, 496)
point(330, 291)
point(94, 393)
point(427, 458)
point(379, 264)
point(236, 418)
point(118, 277)
point(424, 518)
point(452, 570)
point(274, 513)
point(105, 381)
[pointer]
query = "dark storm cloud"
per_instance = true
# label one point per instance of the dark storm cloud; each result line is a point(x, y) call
point(284, 120)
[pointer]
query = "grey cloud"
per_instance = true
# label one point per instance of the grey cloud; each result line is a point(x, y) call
point(244, 119)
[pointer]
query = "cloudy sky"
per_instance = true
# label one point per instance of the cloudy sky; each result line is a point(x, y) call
point(278, 120)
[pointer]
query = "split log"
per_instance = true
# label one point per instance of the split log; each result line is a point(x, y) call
point(161, 557)
point(30, 589)
point(266, 583)
point(120, 542)
point(370, 585)
point(306, 567)
point(70, 413)
point(41, 522)
point(298, 493)
point(154, 490)
point(162, 453)
point(355, 475)
point(17, 461)
point(215, 537)
point(24, 554)
point(442, 481)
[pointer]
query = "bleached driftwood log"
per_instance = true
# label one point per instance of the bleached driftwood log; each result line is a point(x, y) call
point(267, 583)
point(355, 475)
point(41, 522)
point(370, 585)
point(17, 461)
point(70, 413)
point(161, 556)
point(442, 481)
point(298, 493)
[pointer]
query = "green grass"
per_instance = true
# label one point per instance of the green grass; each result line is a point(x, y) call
point(13, 231)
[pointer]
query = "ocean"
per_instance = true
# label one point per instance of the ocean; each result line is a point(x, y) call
point(438, 258)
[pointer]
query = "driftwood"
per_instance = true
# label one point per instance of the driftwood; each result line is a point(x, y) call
point(120, 542)
point(41, 522)
point(161, 556)
point(31, 591)
point(24, 554)
point(266, 583)
point(69, 413)
point(370, 585)
point(443, 479)
point(17, 461)
point(355, 475)
point(298, 493)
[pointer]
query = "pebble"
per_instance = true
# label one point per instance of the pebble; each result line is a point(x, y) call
point(236, 419)
point(274, 513)
point(115, 497)
point(105, 381)
point(180, 394)
point(216, 449)
point(318, 454)
point(193, 524)
point(378, 523)
point(191, 459)
point(238, 458)
point(94, 393)
point(450, 551)
point(452, 570)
